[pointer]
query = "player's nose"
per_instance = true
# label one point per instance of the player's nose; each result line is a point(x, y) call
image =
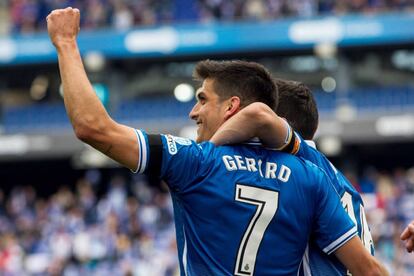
point(194, 112)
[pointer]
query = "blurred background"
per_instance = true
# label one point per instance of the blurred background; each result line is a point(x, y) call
point(67, 210)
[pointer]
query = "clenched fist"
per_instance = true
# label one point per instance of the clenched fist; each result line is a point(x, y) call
point(63, 25)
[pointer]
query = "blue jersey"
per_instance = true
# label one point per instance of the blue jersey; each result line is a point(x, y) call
point(315, 261)
point(244, 210)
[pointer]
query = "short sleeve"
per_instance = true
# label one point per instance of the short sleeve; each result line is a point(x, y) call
point(175, 160)
point(181, 160)
point(333, 226)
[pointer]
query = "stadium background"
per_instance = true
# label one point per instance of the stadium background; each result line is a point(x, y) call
point(67, 210)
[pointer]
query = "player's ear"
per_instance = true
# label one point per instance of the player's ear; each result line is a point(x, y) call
point(233, 106)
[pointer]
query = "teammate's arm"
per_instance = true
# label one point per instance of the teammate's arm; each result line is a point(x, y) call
point(358, 260)
point(255, 120)
point(89, 119)
point(408, 236)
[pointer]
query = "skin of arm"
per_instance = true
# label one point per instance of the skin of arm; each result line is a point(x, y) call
point(357, 259)
point(408, 236)
point(255, 120)
point(90, 121)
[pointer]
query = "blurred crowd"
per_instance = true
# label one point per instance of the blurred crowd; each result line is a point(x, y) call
point(26, 16)
point(389, 205)
point(126, 230)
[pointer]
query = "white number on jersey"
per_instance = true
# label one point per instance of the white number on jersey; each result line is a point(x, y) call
point(267, 204)
point(349, 206)
point(365, 235)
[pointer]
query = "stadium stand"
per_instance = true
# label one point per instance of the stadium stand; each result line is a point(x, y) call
point(127, 229)
point(27, 16)
point(45, 116)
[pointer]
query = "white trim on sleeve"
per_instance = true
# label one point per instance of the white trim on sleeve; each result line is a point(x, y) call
point(333, 246)
point(143, 152)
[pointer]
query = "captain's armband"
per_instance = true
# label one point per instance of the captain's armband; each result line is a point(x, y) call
point(292, 142)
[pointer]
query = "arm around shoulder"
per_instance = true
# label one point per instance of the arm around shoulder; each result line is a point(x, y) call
point(272, 130)
point(255, 120)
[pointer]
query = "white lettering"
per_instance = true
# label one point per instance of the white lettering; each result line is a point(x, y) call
point(271, 170)
point(251, 164)
point(240, 162)
point(284, 173)
point(172, 147)
point(259, 164)
point(229, 163)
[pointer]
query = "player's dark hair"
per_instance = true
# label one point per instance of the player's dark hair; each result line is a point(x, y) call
point(298, 106)
point(249, 81)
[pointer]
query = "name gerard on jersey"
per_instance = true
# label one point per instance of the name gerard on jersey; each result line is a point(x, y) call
point(271, 170)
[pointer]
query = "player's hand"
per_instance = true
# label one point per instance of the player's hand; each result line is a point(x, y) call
point(63, 25)
point(408, 236)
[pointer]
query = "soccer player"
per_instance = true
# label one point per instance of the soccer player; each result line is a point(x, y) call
point(298, 107)
point(239, 210)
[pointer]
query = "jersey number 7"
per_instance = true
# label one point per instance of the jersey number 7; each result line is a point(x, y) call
point(267, 204)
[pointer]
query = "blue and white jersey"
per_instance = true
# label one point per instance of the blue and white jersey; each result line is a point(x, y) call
point(244, 210)
point(315, 261)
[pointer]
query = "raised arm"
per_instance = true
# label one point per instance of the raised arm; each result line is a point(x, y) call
point(358, 260)
point(255, 120)
point(89, 118)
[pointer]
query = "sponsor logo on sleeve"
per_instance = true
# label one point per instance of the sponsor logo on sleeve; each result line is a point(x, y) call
point(172, 147)
point(182, 141)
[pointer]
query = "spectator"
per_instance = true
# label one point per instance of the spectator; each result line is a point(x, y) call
point(67, 227)
point(27, 16)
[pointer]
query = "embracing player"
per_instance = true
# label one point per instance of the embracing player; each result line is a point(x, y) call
point(298, 107)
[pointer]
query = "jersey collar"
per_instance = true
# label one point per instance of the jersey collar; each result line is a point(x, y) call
point(311, 143)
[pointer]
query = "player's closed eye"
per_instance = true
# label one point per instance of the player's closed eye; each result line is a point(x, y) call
point(201, 99)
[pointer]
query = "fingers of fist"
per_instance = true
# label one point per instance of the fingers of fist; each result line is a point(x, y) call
point(69, 11)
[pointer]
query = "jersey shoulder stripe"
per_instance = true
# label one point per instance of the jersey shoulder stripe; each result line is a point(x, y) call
point(143, 151)
point(332, 247)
